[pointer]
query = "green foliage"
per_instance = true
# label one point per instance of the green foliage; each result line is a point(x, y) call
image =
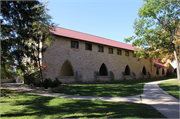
point(56, 83)
point(19, 72)
point(30, 78)
point(47, 83)
point(25, 24)
point(158, 21)
point(6, 73)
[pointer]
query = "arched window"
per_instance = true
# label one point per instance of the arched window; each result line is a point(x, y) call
point(144, 71)
point(103, 70)
point(127, 70)
point(66, 69)
point(162, 71)
point(157, 71)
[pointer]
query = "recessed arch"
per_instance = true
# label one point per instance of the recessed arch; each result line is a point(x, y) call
point(175, 70)
point(103, 70)
point(127, 70)
point(67, 69)
point(163, 72)
point(157, 71)
point(144, 70)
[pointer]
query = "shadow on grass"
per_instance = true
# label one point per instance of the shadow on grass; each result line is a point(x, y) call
point(40, 107)
point(101, 90)
point(173, 90)
point(171, 87)
point(114, 89)
point(34, 106)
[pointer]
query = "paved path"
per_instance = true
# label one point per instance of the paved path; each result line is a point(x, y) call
point(156, 97)
point(152, 95)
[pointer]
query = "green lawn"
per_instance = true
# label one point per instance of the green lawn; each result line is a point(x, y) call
point(171, 87)
point(15, 104)
point(121, 88)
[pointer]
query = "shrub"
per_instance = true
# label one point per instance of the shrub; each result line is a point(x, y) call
point(47, 83)
point(8, 75)
point(56, 83)
point(29, 78)
point(38, 84)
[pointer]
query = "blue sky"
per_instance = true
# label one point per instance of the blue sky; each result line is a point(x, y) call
point(112, 19)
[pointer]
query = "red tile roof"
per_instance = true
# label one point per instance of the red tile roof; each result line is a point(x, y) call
point(90, 38)
point(159, 64)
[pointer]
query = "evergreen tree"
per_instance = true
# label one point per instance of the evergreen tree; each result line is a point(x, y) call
point(24, 26)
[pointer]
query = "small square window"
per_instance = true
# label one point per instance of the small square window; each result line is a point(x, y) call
point(100, 49)
point(110, 50)
point(119, 52)
point(74, 44)
point(88, 46)
point(126, 53)
point(134, 55)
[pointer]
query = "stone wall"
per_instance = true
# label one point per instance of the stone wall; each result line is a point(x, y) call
point(160, 71)
point(66, 79)
point(87, 61)
point(103, 78)
point(8, 81)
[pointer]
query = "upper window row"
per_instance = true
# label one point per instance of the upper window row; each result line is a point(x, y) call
point(88, 46)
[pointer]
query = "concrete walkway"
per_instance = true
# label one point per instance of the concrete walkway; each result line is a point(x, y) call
point(156, 97)
point(152, 95)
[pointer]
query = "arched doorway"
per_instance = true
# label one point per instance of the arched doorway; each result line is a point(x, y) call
point(66, 69)
point(103, 70)
point(127, 70)
point(163, 72)
point(157, 71)
point(175, 71)
point(144, 71)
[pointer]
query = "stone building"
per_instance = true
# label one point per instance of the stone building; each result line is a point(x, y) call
point(80, 57)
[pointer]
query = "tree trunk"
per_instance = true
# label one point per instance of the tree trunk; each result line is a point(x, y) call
point(41, 77)
point(177, 63)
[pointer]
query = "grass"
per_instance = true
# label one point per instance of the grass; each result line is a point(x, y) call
point(113, 89)
point(171, 87)
point(16, 104)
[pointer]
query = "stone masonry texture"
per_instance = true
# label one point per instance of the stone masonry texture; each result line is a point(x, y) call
point(88, 61)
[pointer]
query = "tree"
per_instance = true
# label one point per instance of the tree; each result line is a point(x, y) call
point(25, 25)
point(167, 58)
point(6, 72)
point(156, 28)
